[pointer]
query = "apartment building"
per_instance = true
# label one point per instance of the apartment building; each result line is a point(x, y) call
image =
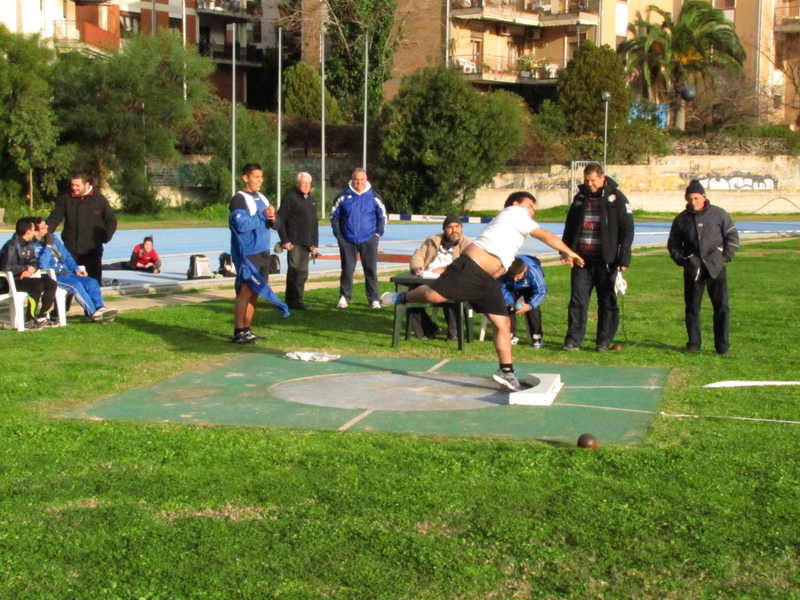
point(525, 43)
point(102, 25)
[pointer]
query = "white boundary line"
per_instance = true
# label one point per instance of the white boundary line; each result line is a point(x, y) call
point(352, 422)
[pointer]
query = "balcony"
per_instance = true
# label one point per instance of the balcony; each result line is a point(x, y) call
point(787, 18)
point(539, 13)
point(499, 69)
point(238, 10)
point(81, 35)
point(223, 53)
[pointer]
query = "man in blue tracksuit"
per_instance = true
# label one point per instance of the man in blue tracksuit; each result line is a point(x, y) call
point(358, 219)
point(54, 255)
point(249, 221)
point(523, 284)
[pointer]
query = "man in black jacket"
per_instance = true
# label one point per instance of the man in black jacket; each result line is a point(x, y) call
point(19, 257)
point(702, 240)
point(599, 227)
point(299, 235)
point(89, 222)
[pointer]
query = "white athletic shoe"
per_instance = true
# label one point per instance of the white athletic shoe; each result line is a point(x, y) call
point(342, 303)
point(514, 340)
point(375, 304)
point(387, 299)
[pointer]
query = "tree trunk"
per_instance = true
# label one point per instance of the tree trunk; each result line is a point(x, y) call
point(30, 189)
point(680, 115)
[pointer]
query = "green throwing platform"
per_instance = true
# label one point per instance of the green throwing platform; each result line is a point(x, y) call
point(396, 395)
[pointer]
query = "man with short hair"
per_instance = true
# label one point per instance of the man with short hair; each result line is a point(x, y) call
point(473, 276)
point(358, 219)
point(89, 222)
point(19, 257)
point(52, 254)
point(702, 240)
point(299, 235)
point(430, 260)
point(523, 285)
point(250, 220)
point(599, 227)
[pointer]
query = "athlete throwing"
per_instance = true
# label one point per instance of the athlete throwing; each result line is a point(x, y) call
point(472, 277)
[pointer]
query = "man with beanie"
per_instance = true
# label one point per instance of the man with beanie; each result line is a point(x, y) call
point(429, 261)
point(358, 219)
point(299, 234)
point(703, 238)
point(599, 227)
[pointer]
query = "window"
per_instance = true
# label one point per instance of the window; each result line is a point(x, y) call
point(777, 101)
point(475, 50)
point(257, 32)
point(174, 23)
point(128, 25)
point(724, 4)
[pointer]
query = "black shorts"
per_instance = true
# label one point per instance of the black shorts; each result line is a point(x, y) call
point(465, 281)
point(261, 263)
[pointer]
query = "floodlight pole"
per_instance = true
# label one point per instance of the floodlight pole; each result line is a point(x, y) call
point(322, 153)
point(366, 95)
point(606, 98)
point(183, 35)
point(280, 115)
point(233, 114)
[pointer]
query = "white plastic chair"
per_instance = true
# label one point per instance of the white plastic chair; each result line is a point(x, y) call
point(16, 303)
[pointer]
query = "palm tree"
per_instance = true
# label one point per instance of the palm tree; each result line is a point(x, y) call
point(671, 54)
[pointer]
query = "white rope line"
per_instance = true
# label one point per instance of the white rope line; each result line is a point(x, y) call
point(352, 422)
point(615, 387)
point(733, 418)
point(663, 414)
point(435, 367)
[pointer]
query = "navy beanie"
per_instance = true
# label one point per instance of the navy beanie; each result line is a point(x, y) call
point(695, 187)
point(450, 219)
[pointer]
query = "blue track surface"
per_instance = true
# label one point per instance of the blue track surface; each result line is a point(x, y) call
point(176, 245)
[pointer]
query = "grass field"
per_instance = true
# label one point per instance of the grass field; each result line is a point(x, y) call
point(705, 508)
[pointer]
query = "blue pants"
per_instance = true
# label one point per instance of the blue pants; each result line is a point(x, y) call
point(369, 261)
point(85, 290)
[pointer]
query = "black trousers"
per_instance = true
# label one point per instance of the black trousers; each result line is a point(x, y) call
point(533, 319)
point(296, 274)
point(583, 279)
point(93, 263)
point(369, 262)
point(423, 326)
point(693, 289)
point(42, 293)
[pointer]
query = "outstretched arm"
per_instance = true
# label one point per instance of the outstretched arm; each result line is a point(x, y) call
point(567, 255)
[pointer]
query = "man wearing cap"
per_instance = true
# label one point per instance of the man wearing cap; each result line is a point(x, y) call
point(430, 261)
point(703, 238)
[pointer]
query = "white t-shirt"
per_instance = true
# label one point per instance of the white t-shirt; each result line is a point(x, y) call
point(506, 233)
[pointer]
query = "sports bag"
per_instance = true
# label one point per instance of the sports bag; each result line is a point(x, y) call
point(199, 267)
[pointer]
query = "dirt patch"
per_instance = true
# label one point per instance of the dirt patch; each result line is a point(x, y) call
point(227, 512)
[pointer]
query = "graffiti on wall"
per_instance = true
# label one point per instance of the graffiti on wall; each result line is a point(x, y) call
point(666, 182)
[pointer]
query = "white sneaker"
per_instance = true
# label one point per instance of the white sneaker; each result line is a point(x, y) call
point(375, 304)
point(342, 303)
point(514, 340)
point(387, 299)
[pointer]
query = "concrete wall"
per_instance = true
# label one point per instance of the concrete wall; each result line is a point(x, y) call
point(737, 183)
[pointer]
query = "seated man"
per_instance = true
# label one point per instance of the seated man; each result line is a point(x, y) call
point(19, 257)
point(429, 261)
point(53, 255)
point(524, 290)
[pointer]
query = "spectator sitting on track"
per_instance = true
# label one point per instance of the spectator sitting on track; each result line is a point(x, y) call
point(143, 258)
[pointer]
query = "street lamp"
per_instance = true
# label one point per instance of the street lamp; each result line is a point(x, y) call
point(606, 98)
